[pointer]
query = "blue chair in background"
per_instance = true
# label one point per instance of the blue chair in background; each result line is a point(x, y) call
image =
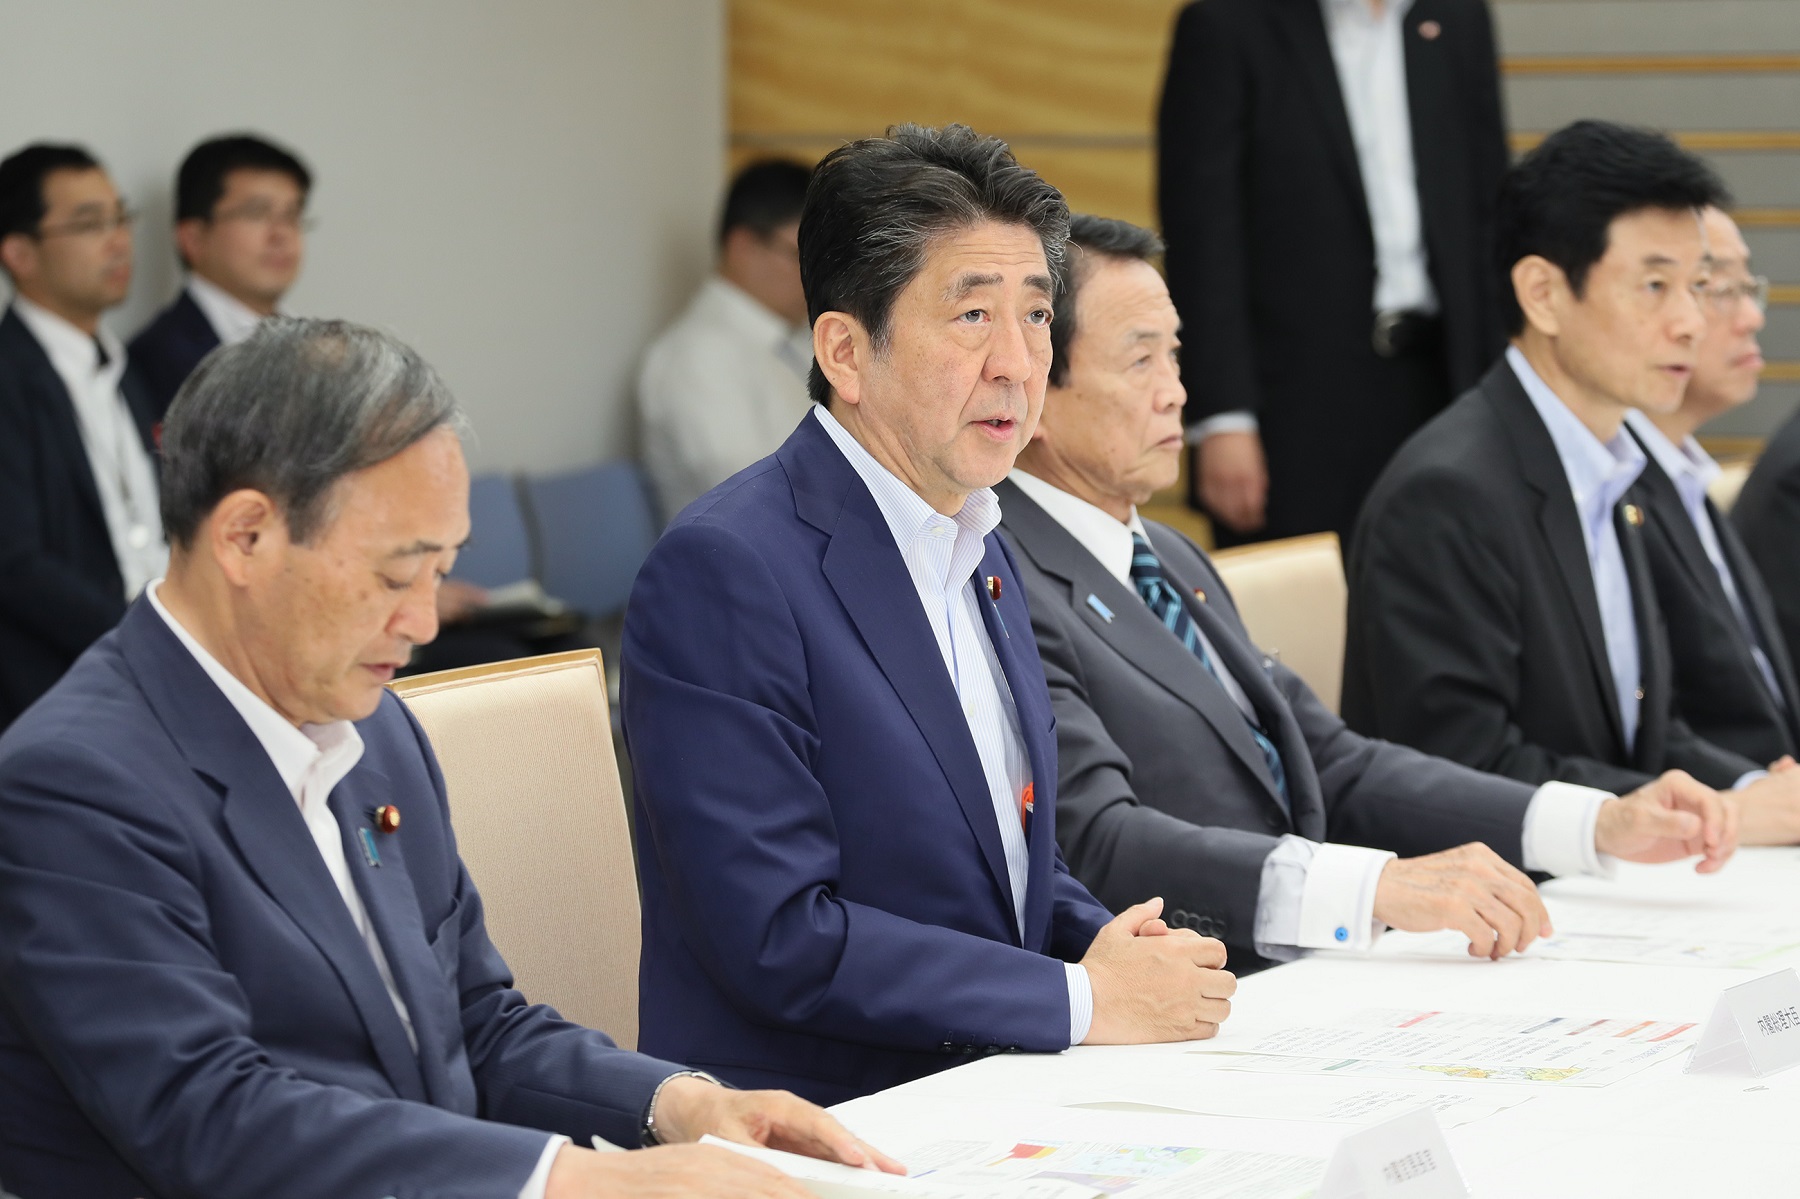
point(594, 528)
point(499, 549)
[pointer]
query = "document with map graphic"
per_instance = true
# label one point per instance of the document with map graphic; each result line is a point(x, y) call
point(1467, 1046)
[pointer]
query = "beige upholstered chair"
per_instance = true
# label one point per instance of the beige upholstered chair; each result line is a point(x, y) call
point(527, 753)
point(1723, 491)
point(1292, 597)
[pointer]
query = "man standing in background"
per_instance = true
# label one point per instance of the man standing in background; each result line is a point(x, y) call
point(240, 229)
point(726, 383)
point(1327, 171)
point(80, 534)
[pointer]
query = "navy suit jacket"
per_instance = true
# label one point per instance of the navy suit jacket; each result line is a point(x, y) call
point(60, 586)
point(186, 1007)
point(826, 901)
point(166, 351)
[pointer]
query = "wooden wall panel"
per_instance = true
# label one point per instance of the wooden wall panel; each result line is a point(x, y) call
point(1072, 84)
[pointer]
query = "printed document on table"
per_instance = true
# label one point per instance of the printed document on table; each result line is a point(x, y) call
point(1405, 1044)
point(1588, 931)
point(1250, 1097)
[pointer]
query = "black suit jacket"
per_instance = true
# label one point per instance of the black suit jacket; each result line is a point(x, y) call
point(1474, 629)
point(1161, 789)
point(1718, 688)
point(1767, 513)
point(1271, 259)
point(166, 351)
point(60, 586)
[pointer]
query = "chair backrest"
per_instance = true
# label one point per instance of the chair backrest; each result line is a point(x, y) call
point(1292, 597)
point(1723, 491)
point(595, 528)
point(499, 549)
point(527, 754)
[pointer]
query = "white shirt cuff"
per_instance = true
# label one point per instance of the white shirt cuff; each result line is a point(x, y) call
point(1750, 776)
point(1317, 896)
point(1225, 422)
point(540, 1177)
point(1081, 1002)
point(1558, 836)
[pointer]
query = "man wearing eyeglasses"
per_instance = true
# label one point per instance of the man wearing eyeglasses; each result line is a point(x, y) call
point(240, 229)
point(1734, 681)
point(1502, 611)
point(80, 533)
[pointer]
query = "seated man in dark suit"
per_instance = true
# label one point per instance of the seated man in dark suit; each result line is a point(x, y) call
point(1501, 608)
point(79, 531)
point(1767, 514)
point(844, 764)
point(240, 229)
point(1734, 681)
point(230, 966)
point(1191, 766)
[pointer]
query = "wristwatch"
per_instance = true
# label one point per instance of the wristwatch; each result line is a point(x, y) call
point(651, 1134)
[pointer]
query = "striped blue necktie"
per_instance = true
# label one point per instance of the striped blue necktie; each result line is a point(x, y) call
point(1164, 600)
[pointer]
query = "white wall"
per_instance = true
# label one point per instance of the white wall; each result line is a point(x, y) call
point(522, 189)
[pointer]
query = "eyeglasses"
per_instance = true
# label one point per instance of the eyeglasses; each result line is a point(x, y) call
point(90, 226)
point(267, 215)
point(1724, 297)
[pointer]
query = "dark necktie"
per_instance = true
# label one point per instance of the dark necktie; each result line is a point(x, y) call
point(1165, 601)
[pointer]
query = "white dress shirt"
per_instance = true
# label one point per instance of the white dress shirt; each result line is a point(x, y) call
point(1369, 52)
point(941, 554)
point(123, 473)
point(720, 388)
point(312, 760)
point(231, 319)
point(1313, 895)
point(1692, 470)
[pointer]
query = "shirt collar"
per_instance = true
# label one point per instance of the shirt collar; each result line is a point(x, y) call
point(908, 516)
point(73, 353)
point(1100, 533)
point(744, 312)
point(1599, 472)
point(1395, 10)
point(1688, 466)
point(294, 751)
point(231, 318)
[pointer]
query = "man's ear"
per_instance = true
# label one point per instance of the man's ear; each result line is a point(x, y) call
point(841, 347)
point(18, 255)
point(187, 239)
point(1541, 289)
point(243, 532)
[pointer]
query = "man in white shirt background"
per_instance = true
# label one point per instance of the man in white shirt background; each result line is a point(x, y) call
point(1192, 766)
point(726, 383)
point(80, 534)
point(240, 229)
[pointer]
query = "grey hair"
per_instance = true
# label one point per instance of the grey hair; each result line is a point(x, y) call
point(289, 412)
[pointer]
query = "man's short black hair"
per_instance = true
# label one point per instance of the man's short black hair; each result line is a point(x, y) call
point(1559, 201)
point(201, 180)
point(22, 178)
point(1097, 237)
point(766, 195)
point(876, 205)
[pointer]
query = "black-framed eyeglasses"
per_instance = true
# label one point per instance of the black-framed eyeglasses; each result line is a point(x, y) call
point(96, 225)
point(266, 215)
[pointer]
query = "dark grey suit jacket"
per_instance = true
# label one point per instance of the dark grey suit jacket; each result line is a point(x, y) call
point(1767, 513)
point(1718, 688)
point(1161, 789)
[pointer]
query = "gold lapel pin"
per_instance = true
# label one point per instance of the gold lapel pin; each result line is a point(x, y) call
point(1634, 515)
point(1200, 594)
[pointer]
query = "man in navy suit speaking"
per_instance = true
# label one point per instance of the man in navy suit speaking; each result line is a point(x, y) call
point(842, 741)
point(238, 952)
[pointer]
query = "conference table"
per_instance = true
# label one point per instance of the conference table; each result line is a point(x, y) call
point(1677, 940)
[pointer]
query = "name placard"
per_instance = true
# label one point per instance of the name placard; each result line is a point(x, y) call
point(1754, 1026)
point(1403, 1158)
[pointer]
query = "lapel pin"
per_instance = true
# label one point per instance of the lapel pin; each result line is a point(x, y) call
point(1429, 30)
point(1104, 612)
point(993, 582)
point(1027, 805)
point(370, 853)
point(1200, 594)
point(1634, 515)
point(387, 818)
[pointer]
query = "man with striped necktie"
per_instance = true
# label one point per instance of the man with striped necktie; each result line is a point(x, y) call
point(1193, 766)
